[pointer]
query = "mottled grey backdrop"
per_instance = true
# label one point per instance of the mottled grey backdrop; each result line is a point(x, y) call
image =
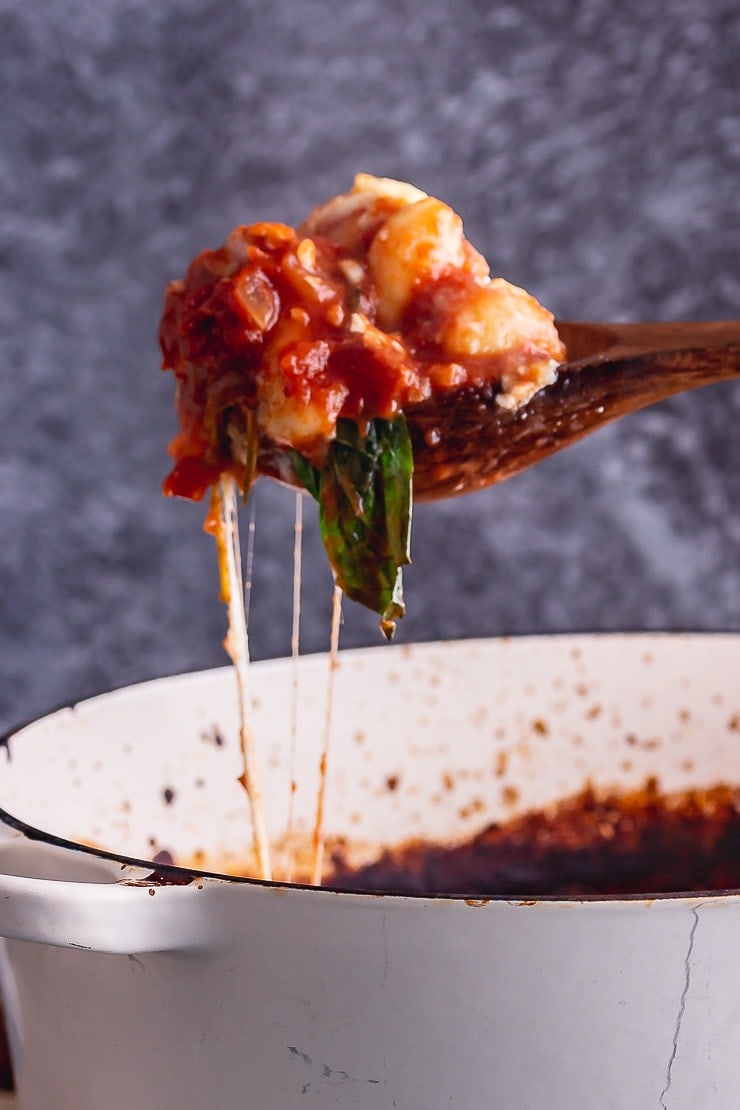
point(593, 149)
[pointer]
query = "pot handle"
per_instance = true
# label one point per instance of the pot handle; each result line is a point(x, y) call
point(116, 917)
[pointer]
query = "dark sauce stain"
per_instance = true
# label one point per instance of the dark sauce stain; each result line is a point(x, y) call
point(509, 795)
point(162, 876)
point(213, 735)
point(166, 873)
point(169, 795)
point(595, 843)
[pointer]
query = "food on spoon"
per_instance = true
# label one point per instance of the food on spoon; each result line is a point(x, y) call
point(296, 353)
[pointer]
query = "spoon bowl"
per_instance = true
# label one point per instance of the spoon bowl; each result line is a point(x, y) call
point(464, 441)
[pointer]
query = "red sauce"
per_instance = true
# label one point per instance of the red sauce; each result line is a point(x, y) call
point(283, 332)
point(219, 325)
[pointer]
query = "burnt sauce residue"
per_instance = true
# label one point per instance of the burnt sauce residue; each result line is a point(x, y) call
point(596, 843)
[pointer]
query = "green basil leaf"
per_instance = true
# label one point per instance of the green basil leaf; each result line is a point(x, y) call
point(365, 514)
point(307, 475)
point(364, 495)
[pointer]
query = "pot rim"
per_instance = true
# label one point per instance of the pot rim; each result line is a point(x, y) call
point(171, 874)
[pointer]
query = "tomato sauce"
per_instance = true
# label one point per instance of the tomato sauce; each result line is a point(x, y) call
point(230, 317)
point(376, 305)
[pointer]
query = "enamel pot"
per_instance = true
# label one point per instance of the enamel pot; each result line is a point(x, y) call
point(128, 984)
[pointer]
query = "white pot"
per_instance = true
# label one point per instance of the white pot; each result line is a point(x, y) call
point(239, 994)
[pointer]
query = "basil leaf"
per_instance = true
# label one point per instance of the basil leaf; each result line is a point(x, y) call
point(364, 495)
point(307, 475)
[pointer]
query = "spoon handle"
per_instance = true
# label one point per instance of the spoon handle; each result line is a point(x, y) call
point(587, 341)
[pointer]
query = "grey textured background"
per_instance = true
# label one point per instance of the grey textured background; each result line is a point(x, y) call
point(593, 149)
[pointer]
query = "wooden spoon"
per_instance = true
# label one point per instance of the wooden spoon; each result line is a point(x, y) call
point(464, 440)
